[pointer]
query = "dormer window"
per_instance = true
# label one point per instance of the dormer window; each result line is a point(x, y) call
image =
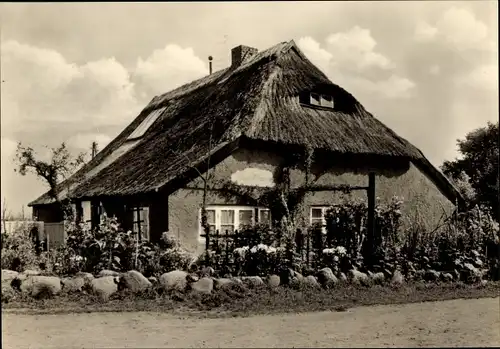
point(146, 123)
point(326, 101)
point(317, 100)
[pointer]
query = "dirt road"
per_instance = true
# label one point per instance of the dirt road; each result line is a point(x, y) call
point(449, 323)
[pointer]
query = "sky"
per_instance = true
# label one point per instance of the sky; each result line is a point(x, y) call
point(81, 72)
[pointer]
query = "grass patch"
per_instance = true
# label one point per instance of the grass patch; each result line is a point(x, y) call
point(239, 301)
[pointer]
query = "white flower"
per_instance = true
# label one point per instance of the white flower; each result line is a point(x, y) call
point(262, 247)
point(341, 250)
point(271, 250)
point(76, 258)
point(241, 250)
point(253, 249)
point(336, 258)
point(329, 251)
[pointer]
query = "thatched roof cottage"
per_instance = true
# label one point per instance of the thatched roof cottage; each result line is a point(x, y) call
point(242, 122)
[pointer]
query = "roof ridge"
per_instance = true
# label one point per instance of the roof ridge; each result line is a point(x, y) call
point(157, 100)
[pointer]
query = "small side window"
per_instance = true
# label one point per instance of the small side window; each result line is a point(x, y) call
point(327, 101)
point(315, 99)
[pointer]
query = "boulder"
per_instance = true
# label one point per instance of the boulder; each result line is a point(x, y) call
point(175, 280)
point(207, 272)
point(41, 286)
point(31, 272)
point(359, 278)
point(471, 273)
point(223, 282)
point(204, 285)
point(8, 292)
point(86, 276)
point(378, 278)
point(288, 276)
point(326, 278)
point(74, 284)
point(153, 280)
point(108, 273)
point(447, 277)
point(237, 280)
point(311, 281)
point(105, 286)
point(342, 277)
point(9, 275)
point(273, 281)
point(192, 277)
point(431, 275)
point(134, 281)
point(252, 281)
point(397, 278)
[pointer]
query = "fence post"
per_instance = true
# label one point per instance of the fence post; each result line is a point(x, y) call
point(207, 239)
point(227, 249)
point(207, 244)
point(308, 247)
point(216, 240)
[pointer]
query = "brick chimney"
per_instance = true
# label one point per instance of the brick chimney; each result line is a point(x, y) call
point(240, 54)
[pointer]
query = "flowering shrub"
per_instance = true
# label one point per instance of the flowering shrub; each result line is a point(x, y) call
point(260, 260)
point(345, 226)
point(110, 247)
point(332, 257)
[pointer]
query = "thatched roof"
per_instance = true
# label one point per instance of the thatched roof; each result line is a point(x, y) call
point(257, 100)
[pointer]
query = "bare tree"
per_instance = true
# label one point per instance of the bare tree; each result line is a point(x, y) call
point(57, 169)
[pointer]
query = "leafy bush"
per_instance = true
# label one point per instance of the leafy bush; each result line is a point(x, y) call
point(19, 252)
point(110, 247)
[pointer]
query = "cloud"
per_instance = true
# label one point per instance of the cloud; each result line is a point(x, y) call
point(350, 60)
point(168, 68)
point(322, 58)
point(61, 93)
point(84, 140)
point(87, 97)
point(357, 47)
point(458, 28)
point(483, 77)
point(424, 31)
point(435, 69)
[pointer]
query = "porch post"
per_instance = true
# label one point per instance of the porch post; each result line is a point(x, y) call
point(95, 214)
point(78, 211)
point(370, 234)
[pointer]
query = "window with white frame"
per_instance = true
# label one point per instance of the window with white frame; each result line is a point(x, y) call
point(86, 212)
point(318, 215)
point(320, 100)
point(232, 218)
point(140, 222)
